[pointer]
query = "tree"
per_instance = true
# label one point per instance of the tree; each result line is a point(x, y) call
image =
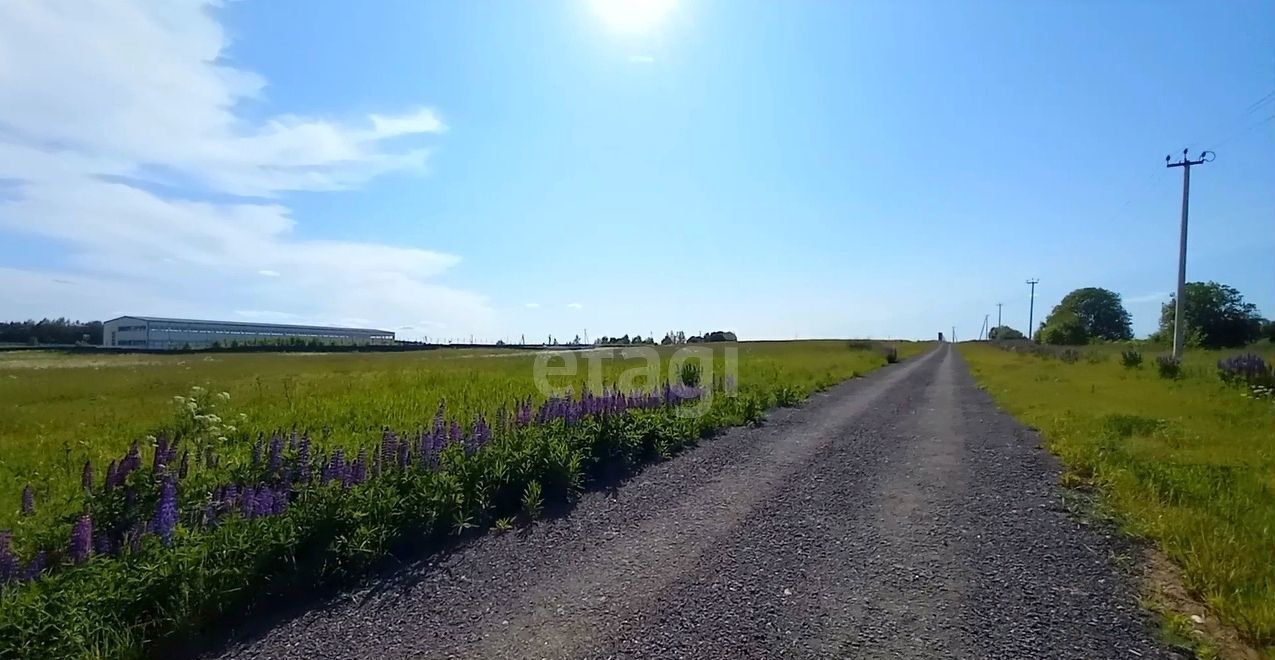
point(1099, 312)
point(1004, 332)
point(1064, 328)
point(1268, 331)
point(1216, 315)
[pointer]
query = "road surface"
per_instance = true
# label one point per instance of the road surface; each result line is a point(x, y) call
point(900, 515)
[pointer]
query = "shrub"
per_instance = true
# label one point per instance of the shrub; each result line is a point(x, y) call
point(1069, 355)
point(1064, 329)
point(891, 354)
point(1168, 366)
point(1131, 358)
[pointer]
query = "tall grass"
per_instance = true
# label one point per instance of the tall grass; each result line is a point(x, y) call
point(1188, 463)
point(209, 553)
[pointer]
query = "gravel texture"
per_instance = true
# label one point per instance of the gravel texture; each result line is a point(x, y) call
point(897, 515)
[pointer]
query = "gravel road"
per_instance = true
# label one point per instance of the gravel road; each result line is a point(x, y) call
point(899, 515)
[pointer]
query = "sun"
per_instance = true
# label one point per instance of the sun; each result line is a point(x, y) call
point(632, 16)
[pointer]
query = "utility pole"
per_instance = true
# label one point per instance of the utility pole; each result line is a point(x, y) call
point(1179, 309)
point(1031, 310)
point(998, 314)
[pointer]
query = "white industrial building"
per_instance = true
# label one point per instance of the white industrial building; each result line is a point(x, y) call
point(172, 334)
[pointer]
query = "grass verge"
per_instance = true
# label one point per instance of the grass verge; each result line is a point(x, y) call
point(1186, 463)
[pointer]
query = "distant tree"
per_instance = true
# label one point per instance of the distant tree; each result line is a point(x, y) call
point(637, 339)
point(500, 342)
point(1063, 328)
point(1004, 332)
point(575, 341)
point(668, 339)
point(695, 340)
point(720, 335)
point(1268, 331)
point(1216, 316)
point(1099, 311)
point(50, 331)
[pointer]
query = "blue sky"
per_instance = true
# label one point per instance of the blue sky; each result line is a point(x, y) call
point(494, 169)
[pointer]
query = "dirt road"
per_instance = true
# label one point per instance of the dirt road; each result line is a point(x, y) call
point(898, 515)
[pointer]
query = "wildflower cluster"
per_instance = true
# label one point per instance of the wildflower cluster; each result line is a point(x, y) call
point(1250, 371)
point(133, 504)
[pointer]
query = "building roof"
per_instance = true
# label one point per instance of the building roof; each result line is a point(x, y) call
point(255, 325)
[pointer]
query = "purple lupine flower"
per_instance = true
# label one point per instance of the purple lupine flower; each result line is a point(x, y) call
point(184, 468)
point(28, 501)
point(275, 462)
point(131, 461)
point(165, 520)
point(8, 563)
point(256, 452)
point(86, 476)
point(102, 544)
point(482, 432)
point(522, 413)
point(229, 496)
point(303, 460)
point(82, 539)
point(453, 433)
point(389, 449)
point(36, 566)
point(160, 460)
point(358, 471)
point(264, 504)
point(280, 503)
point(248, 502)
point(440, 416)
point(112, 477)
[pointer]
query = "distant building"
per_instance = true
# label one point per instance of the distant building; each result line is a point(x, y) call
point(171, 334)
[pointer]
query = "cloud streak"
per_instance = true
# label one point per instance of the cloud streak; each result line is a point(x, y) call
point(124, 143)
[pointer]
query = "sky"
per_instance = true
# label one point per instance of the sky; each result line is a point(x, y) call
point(500, 170)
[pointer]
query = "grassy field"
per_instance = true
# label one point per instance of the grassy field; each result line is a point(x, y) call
point(178, 550)
point(1188, 463)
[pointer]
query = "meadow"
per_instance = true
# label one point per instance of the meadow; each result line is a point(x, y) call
point(149, 496)
point(1187, 463)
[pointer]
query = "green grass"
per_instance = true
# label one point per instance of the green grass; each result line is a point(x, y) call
point(59, 410)
point(1186, 463)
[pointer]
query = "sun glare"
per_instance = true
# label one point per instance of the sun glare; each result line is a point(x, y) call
point(632, 16)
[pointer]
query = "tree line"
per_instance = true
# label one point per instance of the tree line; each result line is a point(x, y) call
point(1216, 316)
point(50, 331)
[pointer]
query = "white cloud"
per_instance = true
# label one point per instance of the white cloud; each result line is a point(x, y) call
point(575, 305)
point(532, 305)
point(118, 116)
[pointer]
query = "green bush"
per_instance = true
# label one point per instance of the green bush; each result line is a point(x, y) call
point(1064, 329)
point(1168, 366)
point(1131, 358)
